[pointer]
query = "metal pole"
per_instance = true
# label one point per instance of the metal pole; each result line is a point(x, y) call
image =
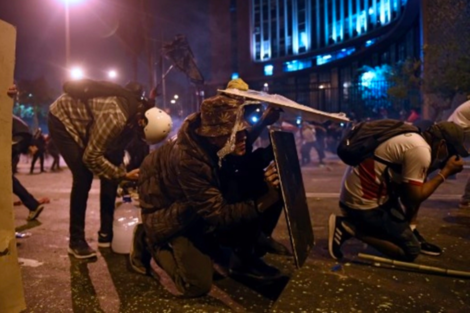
point(163, 82)
point(415, 266)
point(67, 36)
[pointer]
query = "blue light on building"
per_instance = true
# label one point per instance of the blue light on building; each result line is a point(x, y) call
point(367, 78)
point(268, 70)
point(303, 40)
point(301, 33)
point(297, 65)
point(323, 59)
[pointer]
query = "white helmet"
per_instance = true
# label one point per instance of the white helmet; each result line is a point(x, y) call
point(158, 126)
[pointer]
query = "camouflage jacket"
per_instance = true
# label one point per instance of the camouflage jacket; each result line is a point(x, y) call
point(179, 189)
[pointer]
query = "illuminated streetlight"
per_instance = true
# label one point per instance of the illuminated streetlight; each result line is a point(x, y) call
point(77, 73)
point(176, 96)
point(112, 74)
point(173, 101)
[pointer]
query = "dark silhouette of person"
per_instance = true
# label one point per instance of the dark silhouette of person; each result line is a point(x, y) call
point(53, 151)
point(40, 142)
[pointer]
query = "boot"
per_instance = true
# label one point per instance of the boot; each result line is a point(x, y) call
point(140, 256)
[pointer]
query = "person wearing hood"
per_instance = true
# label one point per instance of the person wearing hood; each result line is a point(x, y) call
point(186, 211)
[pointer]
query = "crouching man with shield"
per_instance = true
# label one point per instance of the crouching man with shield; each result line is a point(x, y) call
point(190, 210)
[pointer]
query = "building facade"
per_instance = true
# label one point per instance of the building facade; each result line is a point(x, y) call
point(315, 51)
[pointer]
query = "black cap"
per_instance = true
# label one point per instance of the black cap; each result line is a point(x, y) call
point(454, 136)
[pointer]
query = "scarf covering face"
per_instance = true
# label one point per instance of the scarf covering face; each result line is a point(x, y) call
point(222, 116)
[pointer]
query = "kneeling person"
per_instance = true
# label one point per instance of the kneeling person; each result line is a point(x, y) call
point(373, 192)
point(186, 211)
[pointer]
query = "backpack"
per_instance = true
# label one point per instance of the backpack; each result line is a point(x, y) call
point(360, 142)
point(86, 89)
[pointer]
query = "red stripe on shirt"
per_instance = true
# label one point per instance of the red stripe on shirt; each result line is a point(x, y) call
point(414, 183)
point(370, 187)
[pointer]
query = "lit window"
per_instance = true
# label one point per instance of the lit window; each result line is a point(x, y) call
point(297, 65)
point(268, 69)
point(303, 40)
point(323, 59)
point(266, 50)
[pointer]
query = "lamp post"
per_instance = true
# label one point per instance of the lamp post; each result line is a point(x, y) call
point(67, 35)
point(67, 31)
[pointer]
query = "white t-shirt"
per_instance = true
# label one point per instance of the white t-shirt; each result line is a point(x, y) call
point(362, 184)
point(308, 132)
point(461, 115)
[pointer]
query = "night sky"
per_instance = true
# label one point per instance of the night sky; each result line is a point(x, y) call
point(95, 46)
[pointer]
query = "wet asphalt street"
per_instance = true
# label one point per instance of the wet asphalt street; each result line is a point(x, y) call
point(54, 282)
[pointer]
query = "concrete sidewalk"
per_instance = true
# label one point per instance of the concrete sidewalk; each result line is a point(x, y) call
point(54, 282)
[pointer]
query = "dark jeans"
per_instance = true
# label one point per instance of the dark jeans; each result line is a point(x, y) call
point(320, 148)
point(55, 162)
point(187, 258)
point(28, 200)
point(82, 180)
point(386, 222)
point(188, 265)
point(38, 155)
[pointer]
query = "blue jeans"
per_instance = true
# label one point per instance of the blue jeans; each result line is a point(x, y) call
point(386, 222)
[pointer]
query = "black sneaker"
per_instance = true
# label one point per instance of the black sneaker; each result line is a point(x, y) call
point(34, 214)
point(337, 235)
point(104, 240)
point(426, 247)
point(81, 250)
point(256, 269)
point(139, 257)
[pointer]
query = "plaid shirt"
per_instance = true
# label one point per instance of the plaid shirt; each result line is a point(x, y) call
point(108, 123)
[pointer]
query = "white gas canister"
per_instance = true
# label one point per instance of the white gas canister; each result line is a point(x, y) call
point(126, 217)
